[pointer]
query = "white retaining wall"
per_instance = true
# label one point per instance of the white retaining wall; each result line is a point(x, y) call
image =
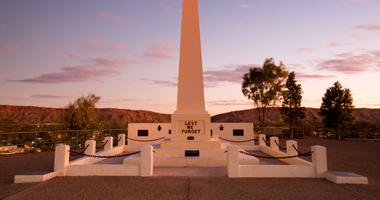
point(294, 167)
point(154, 133)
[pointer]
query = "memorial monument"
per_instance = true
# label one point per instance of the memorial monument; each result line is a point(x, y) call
point(191, 139)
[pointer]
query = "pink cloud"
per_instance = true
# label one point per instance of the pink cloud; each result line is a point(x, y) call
point(160, 50)
point(333, 44)
point(246, 6)
point(49, 96)
point(368, 27)
point(78, 73)
point(110, 61)
point(349, 63)
point(304, 50)
point(232, 73)
point(9, 47)
point(95, 43)
point(233, 102)
point(113, 18)
point(167, 83)
point(312, 76)
point(74, 56)
point(91, 70)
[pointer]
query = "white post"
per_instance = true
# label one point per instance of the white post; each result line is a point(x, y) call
point(262, 138)
point(121, 138)
point(273, 144)
point(61, 158)
point(319, 159)
point(233, 161)
point(290, 150)
point(146, 166)
point(91, 149)
point(109, 144)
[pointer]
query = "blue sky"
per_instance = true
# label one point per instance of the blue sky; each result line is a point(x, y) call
point(126, 51)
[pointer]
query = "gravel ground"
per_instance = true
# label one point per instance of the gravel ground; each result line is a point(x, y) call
point(355, 156)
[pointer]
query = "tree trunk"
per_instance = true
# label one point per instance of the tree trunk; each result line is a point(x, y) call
point(291, 123)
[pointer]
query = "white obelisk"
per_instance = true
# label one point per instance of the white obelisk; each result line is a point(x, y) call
point(190, 121)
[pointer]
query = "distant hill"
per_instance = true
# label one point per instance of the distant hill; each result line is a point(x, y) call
point(30, 115)
point(370, 116)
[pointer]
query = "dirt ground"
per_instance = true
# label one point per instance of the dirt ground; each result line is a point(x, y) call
point(355, 156)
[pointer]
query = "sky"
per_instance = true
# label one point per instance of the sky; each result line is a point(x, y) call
point(127, 51)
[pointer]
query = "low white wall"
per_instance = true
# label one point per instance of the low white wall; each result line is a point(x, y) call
point(135, 142)
point(34, 178)
point(278, 171)
point(224, 131)
point(295, 167)
point(102, 170)
point(89, 160)
point(291, 161)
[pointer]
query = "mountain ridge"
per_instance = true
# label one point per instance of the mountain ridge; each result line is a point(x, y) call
point(34, 114)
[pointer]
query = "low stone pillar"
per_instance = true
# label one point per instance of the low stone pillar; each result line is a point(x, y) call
point(273, 144)
point(109, 144)
point(319, 159)
point(290, 150)
point(61, 158)
point(146, 166)
point(233, 161)
point(121, 138)
point(262, 138)
point(91, 149)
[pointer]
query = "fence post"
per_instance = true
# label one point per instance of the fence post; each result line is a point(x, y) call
point(146, 166)
point(233, 161)
point(77, 138)
point(121, 138)
point(319, 160)
point(61, 158)
point(91, 149)
point(262, 138)
point(109, 145)
point(273, 144)
point(290, 150)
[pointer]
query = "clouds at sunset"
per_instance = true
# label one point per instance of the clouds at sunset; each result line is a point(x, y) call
point(349, 63)
point(127, 52)
point(305, 50)
point(160, 50)
point(93, 69)
point(246, 6)
point(231, 73)
point(368, 27)
point(94, 43)
point(305, 76)
point(165, 83)
point(113, 18)
point(49, 96)
point(9, 47)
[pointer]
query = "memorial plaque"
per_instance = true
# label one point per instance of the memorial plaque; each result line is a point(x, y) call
point(192, 127)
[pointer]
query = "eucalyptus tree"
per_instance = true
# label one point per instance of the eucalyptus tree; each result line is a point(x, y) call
point(264, 85)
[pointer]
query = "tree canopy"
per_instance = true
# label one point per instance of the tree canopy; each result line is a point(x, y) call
point(337, 108)
point(263, 85)
point(81, 114)
point(291, 109)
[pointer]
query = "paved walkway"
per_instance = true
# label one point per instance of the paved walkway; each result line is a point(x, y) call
point(358, 157)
